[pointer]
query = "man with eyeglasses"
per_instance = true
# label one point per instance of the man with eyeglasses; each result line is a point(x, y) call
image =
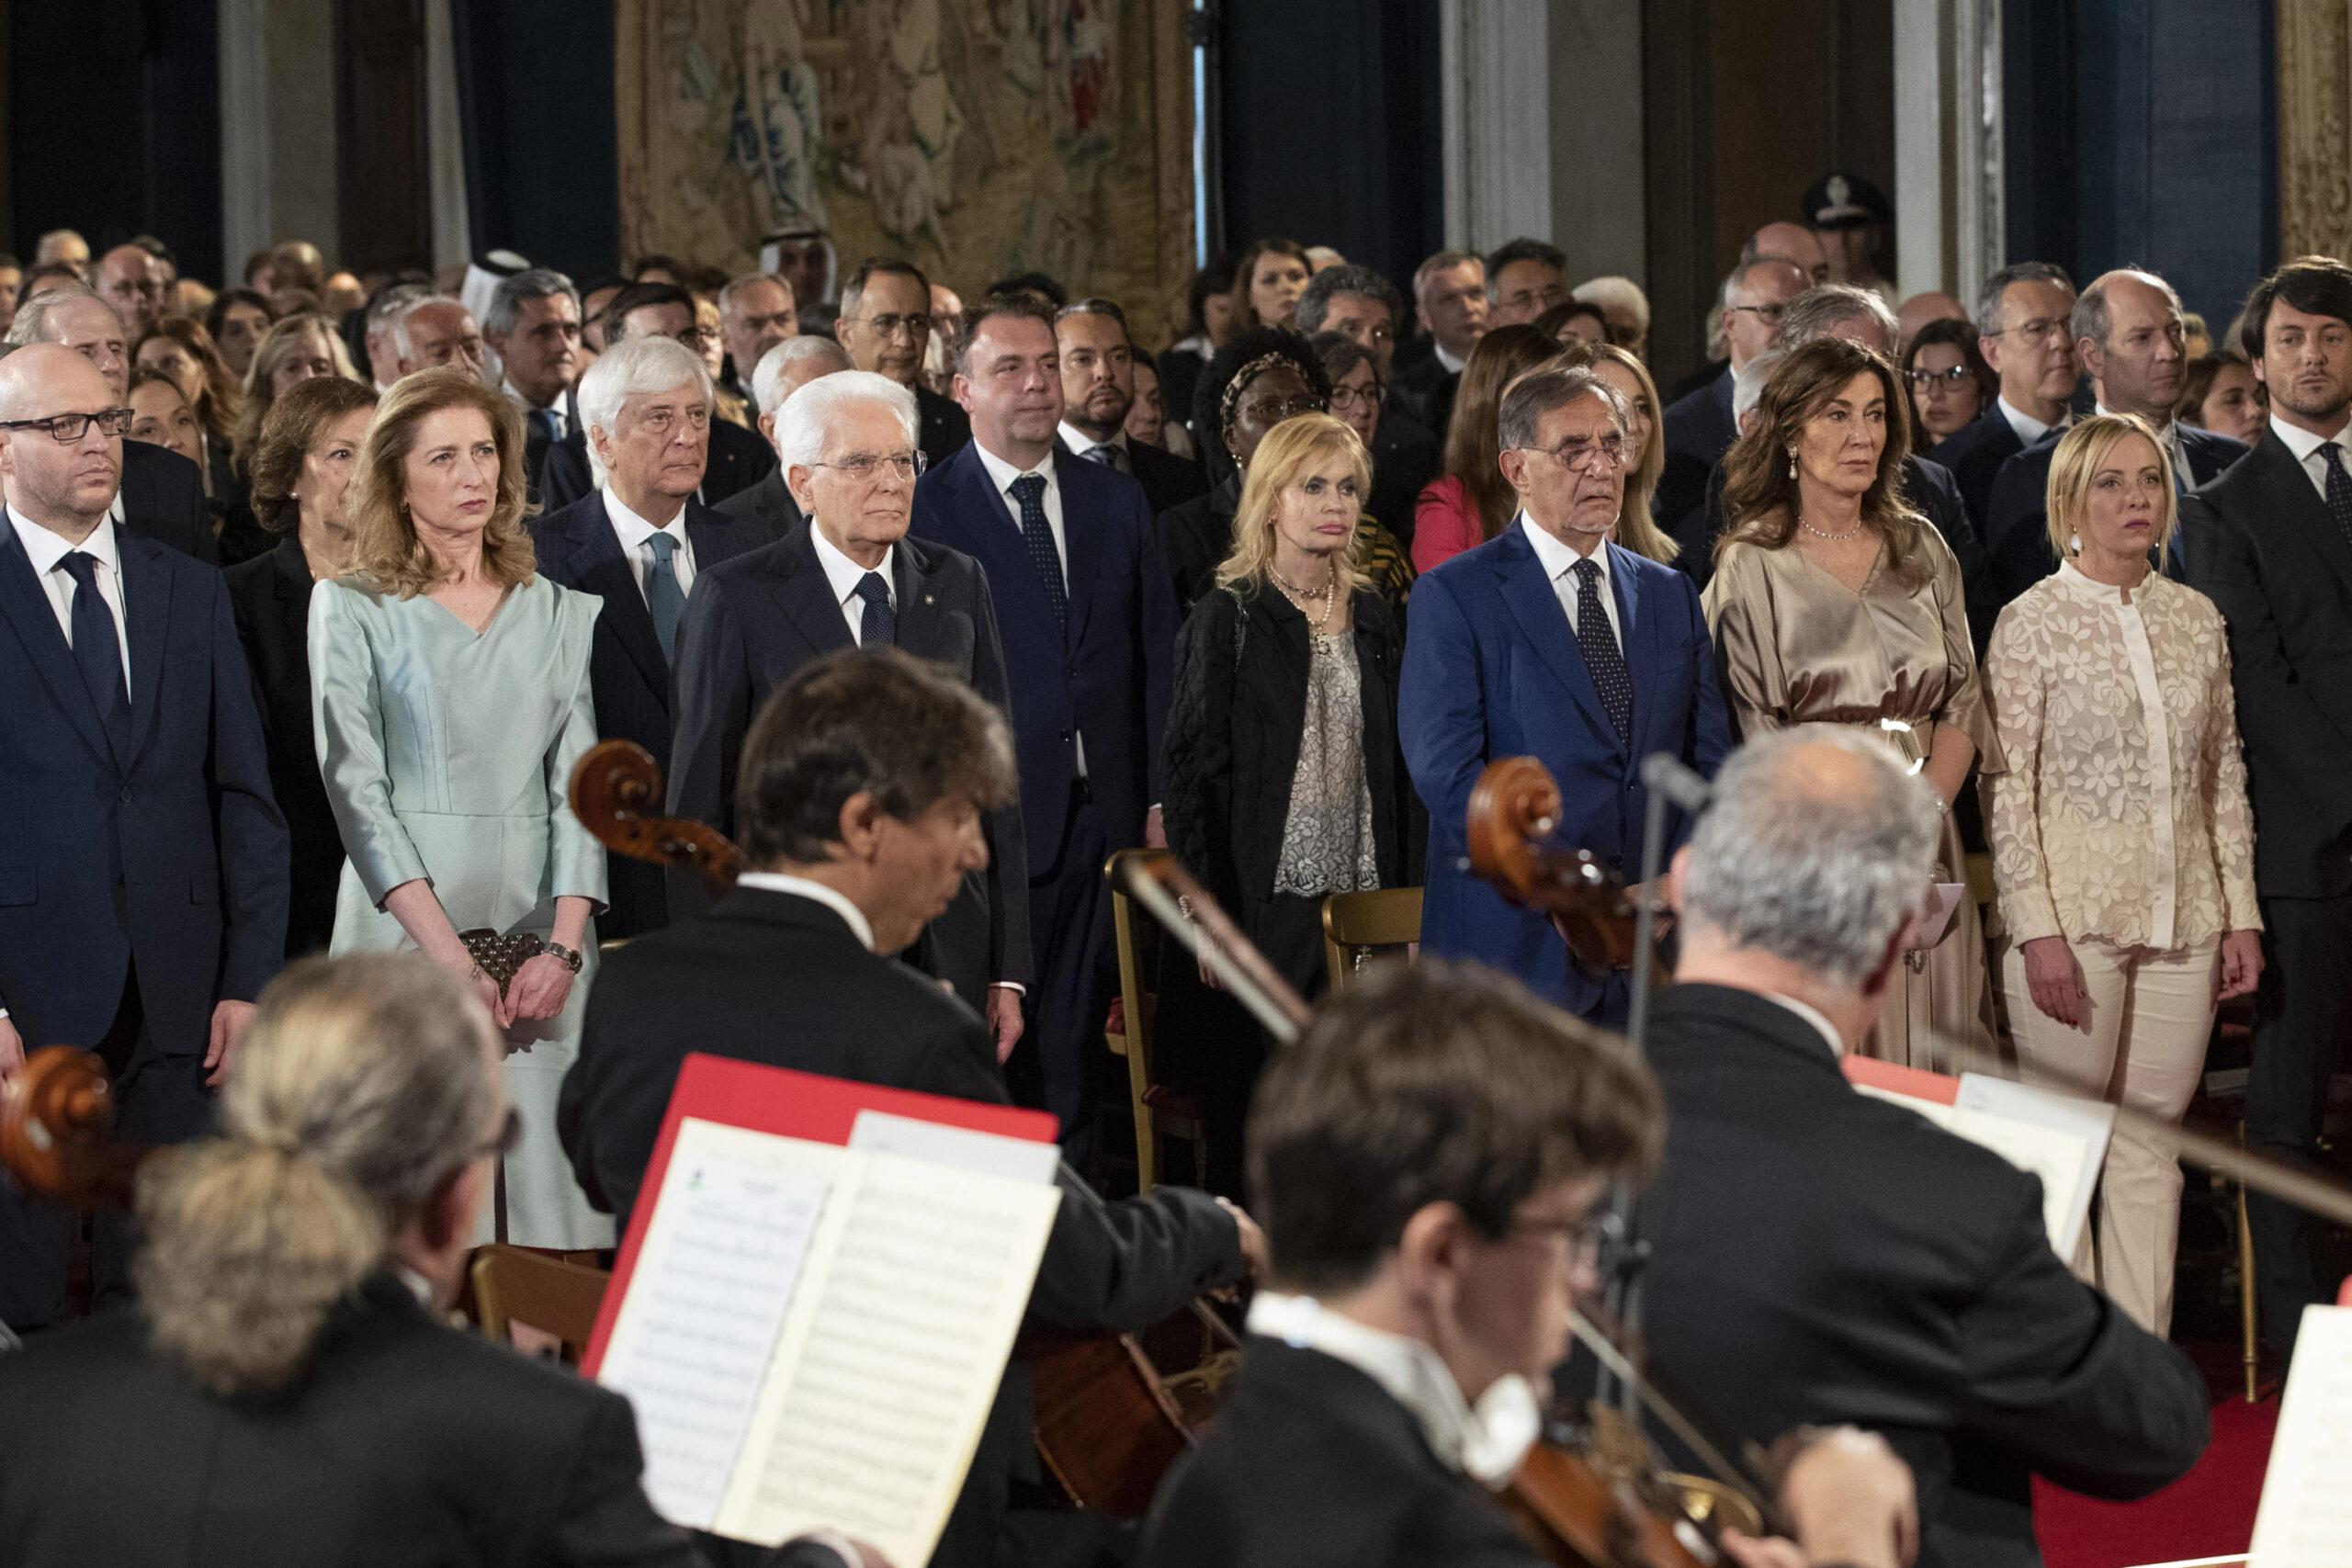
point(735, 458)
point(1450, 306)
point(1359, 303)
point(852, 578)
point(1089, 622)
point(640, 542)
point(162, 496)
point(1097, 370)
point(1700, 428)
point(2022, 316)
point(2133, 345)
point(143, 883)
point(885, 325)
point(1550, 641)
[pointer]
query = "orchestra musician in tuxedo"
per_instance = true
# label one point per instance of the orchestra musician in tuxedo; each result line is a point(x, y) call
point(1430, 1156)
point(143, 872)
point(640, 542)
point(1551, 641)
point(863, 784)
point(850, 577)
point(298, 1396)
point(1819, 1255)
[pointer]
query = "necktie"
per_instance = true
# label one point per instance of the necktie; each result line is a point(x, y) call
point(1029, 490)
point(544, 421)
point(880, 628)
point(2339, 489)
point(663, 595)
point(1603, 658)
point(1109, 455)
point(99, 653)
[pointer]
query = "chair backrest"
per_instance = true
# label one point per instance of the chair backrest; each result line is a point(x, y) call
point(514, 1285)
point(1369, 927)
point(1135, 936)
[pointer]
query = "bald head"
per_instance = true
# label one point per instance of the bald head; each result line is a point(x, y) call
point(1790, 241)
point(2132, 341)
point(63, 485)
point(1919, 309)
point(132, 282)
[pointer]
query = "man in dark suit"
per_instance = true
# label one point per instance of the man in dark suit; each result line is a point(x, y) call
point(2271, 544)
point(146, 902)
point(737, 459)
point(533, 325)
point(162, 496)
point(849, 578)
point(1089, 625)
point(1360, 304)
point(1450, 306)
point(1550, 641)
point(2128, 336)
point(885, 325)
point(1098, 378)
point(1700, 428)
point(2024, 328)
point(640, 542)
point(1819, 1255)
point(865, 781)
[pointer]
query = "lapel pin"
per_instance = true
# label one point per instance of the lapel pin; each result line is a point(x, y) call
point(930, 599)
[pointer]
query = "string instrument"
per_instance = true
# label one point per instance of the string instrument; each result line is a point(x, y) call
point(1514, 811)
point(1590, 1494)
point(1109, 1419)
point(56, 1131)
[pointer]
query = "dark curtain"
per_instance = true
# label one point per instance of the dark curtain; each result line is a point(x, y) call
point(535, 95)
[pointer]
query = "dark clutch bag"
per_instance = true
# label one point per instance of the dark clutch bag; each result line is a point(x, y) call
point(500, 953)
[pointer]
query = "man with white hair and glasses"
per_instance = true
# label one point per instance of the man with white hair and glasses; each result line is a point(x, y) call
point(849, 445)
point(1819, 1257)
point(639, 541)
point(781, 371)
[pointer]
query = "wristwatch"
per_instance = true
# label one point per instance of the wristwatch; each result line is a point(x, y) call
point(564, 956)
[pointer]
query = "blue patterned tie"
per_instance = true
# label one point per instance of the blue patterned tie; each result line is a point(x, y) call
point(880, 628)
point(1603, 658)
point(1029, 490)
point(1108, 455)
point(2339, 489)
point(662, 595)
point(99, 653)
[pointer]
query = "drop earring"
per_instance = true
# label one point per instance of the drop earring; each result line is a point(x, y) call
point(2074, 544)
point(1793, 462)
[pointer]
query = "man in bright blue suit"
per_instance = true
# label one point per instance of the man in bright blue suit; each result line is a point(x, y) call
point(143, 868)
point(1549, 641)
point(1089, 622)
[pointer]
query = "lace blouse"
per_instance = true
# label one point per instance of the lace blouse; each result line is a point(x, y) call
point(1327, 836)
point(2123, 815)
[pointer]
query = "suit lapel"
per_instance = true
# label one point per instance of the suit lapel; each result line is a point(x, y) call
point(987, 529)
point(35, 623)
point(1081, 534)
point(1634, 632)
point(146, 619)
point(2290, 493)
point(1537, 607)
point(602, 570)
point(806, 596)
point(914, 578)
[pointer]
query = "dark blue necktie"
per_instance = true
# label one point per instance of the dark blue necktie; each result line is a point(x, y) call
point(99, 651)
point(1029, 490)
point(1603, 658)
point(546, 421)
point(2339, 489)
point(880, 628)
point(663, 597)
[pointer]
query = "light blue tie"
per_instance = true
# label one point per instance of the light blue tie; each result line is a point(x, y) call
point(663, 597)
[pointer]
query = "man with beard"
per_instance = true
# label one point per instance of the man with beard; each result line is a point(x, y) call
point(1097, 370)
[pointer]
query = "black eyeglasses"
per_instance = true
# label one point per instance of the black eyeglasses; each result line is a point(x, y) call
point(1768, 314)
point(69, 427)
point(1579, 1242)
point(1354, 396)
point(1922, 380)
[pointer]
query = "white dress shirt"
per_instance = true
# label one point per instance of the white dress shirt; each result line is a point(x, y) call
point(1559, 564)
point(1812, 1015)
point(557, 408)
point(634, 532)
point(1410, 1370)
point(48, 552)
point(845, 574)
point(1453, 366)
point(1080, 444)
point(1001, 474)
point(2306, 448)
point(801, 887)
point(2030, 429)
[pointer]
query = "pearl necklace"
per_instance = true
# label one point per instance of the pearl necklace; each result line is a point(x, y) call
point(1301, 596)
point(1824, 533)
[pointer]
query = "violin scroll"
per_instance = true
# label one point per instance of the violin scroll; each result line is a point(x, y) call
point(617, 795)
point(56, 1130)
point(1514, 810)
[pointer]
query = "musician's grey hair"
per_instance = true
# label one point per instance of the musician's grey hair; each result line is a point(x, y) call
point(801, 424)
point(1815, 865)
point(632, 368)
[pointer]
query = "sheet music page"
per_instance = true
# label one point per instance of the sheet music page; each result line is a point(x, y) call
point(2305, 1521)
point(880, 1133)
point(731, 1235)
point(888, 1367)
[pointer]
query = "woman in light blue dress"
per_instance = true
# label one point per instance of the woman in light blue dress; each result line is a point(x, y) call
point(449, 690)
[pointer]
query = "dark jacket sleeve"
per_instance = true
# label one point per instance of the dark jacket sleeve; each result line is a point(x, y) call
point(1010, 956)
point(1198, 800)
point(1125, 1266)
point(2059, 1376)
point(256, 856)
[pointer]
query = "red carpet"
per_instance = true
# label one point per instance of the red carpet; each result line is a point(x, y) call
point(2207, 1513)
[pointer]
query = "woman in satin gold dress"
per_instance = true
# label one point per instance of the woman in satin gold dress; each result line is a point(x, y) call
point(1834, 602)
